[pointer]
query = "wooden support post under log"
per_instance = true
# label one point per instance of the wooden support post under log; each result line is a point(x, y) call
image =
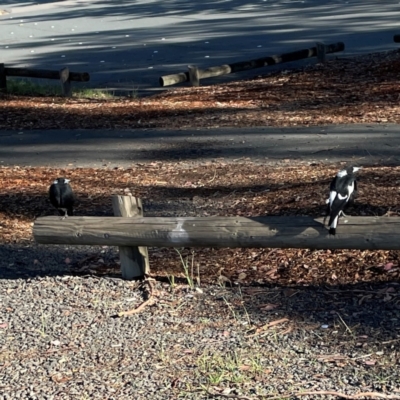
point(321, 52)
point(364, 233)
point(194, 77)
point(168, 80)
point(134, 260)
point(3, 79)
point(65, 82)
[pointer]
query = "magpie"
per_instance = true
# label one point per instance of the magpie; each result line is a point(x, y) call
point(62, 197)
point(341, 189)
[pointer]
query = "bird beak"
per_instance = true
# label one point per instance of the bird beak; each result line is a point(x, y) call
point(356, 168)
point(67, 180)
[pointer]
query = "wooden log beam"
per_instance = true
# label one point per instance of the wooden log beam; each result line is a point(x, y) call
point(45, 74)
point(283, 232)
point(168, 80)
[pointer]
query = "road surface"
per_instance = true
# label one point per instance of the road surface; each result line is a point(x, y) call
point(357, 144)
point(131, 43)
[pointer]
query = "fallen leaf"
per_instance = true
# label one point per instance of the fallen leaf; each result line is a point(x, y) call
point(242, 276)
point(388, 266)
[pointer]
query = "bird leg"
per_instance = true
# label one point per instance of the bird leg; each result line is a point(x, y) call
point(65, 214)
point(328, 211)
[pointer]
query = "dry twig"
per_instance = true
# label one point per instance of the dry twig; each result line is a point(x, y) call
point(268, 325)
point(148, 288)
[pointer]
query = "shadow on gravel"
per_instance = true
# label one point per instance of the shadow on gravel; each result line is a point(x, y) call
point(33, 260)
point(370, 309)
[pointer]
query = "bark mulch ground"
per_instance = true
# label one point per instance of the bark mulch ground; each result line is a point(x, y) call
point(362, 89)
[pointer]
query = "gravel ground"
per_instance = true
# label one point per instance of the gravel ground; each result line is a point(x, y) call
point(61, 337)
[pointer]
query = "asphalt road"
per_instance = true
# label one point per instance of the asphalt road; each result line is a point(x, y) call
point(129, 44)
point(358, 144)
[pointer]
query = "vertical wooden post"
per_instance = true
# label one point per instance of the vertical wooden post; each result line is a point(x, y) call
point(3, 79)
point(134, 260)
point(194, 76)
point(321, 52)
point(65, 82)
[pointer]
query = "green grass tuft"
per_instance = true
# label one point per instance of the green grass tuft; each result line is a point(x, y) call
point(41, 87)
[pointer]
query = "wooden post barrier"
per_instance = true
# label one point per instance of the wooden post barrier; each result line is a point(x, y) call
point(321, 52)
point(46, 74)
point(134, 260)
point(194, 77)
point(64, 75)
point(168, 80)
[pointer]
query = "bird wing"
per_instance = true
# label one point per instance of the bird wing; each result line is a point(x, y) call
point(332, 196)
point(337, 206)
point(54, 195)
point(67, 196)
point(351, 188)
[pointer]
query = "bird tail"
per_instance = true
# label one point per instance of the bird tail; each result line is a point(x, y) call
point(333, 221)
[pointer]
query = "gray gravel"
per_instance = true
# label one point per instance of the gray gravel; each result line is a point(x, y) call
point(60, 337)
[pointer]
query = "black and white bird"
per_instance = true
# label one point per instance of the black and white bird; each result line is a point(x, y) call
point(341, 189)
point(62, 197)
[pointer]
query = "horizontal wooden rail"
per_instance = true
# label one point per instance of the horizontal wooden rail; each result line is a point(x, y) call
point(282, 232)
point(45, 74)
point(168, 80)
point(64, 75)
